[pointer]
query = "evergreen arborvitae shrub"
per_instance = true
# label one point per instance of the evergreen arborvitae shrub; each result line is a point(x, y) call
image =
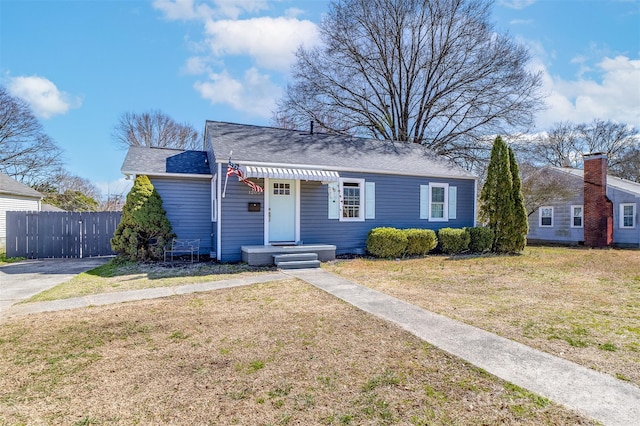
point(453, 240)
point(420, 241)
point(520, 218)
point(386, 242)
point(480, 239)
point(498, 208)
point(144, 229)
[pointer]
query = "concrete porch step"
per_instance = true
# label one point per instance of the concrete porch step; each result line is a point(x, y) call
point(292, 257)
point(298, 264)
point(263, 255)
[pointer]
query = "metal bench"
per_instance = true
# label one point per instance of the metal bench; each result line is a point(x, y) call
point(177, 248)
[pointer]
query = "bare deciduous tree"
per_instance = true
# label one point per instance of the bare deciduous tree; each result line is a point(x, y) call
point(113, 202)
point(155, 129)
point(566, 143)
point(27, 154)
point(543, 185)
point(559, 147)
point(433, 72)
point(629, 165)
point(613, 139)
point(70, 192)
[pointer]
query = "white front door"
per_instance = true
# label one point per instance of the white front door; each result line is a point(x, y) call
point(282, 210)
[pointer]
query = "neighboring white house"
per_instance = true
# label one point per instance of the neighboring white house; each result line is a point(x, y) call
point(15, 196)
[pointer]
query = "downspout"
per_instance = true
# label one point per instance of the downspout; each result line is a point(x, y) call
point(219, 214)
point(475, 202)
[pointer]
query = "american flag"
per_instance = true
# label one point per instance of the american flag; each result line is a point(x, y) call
point(234, 169)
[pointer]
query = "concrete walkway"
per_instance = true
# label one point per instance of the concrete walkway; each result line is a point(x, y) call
point(599, 396)
point(21, 280)
point(132, 295)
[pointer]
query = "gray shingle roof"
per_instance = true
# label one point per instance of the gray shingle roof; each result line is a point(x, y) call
point(613, 181)
point(10, 186)
point(158, 161)
point(272, 146)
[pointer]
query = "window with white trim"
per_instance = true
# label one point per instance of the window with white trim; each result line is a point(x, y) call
point(438, 202)
point(546, 216)
point(577, 216)
point(627, 215)
point(352, 199)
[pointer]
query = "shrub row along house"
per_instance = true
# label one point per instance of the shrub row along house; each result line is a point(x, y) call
point(602, 210)
point(254, 191)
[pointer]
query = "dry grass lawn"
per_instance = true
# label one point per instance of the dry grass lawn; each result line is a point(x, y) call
point(272, 354)
point(580, 304)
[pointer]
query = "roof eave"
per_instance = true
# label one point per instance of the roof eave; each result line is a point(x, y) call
point(352, 170)
point(164, 174)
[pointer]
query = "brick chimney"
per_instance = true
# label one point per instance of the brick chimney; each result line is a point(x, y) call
point(598, 209)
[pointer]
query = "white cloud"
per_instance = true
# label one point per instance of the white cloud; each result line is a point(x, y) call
point(293, 12)
point(177, 10)
point(254, 94)
point(270, 42)
point(196, 65)
point(615, 97)
point(42, 95)
point(234, 8)
point(516, 4)
point(186, 10)
point(521, 22)
point(265, 42)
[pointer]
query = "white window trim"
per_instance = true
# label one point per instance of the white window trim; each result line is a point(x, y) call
point(214, 198)
point(573, 216)
point(445, 207)
point(633, 215)
point(540, 217)
point(370, 201)
point(361, 210)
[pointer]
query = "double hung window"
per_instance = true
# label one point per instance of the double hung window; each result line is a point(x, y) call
point(577, 216)
point(628, 215)
point(546, 217)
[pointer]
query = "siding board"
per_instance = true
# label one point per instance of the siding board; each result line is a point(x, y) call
point(397, 205)
point(240, 226)
point(188, 206)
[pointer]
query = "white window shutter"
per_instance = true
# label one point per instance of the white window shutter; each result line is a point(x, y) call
point(334, 200)
point(424, 201)
point(453, 195)
point(370, 200)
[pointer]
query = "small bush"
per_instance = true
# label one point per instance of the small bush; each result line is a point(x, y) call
point(453, 240)
point(481, 239)
point(386, 242)
point(420, 241)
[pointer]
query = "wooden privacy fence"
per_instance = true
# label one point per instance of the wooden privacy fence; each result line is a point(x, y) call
point(60, 234)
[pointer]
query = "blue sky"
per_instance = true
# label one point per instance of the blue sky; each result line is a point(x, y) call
point(81, 64)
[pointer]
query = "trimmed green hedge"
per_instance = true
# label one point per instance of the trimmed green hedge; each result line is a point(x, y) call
point(420, 241)
point(453, 241)
point(386, 242)
point(481, 239)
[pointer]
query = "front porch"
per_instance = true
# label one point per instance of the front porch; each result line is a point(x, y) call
point(264, 255)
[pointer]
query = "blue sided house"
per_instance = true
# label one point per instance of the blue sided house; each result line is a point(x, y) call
point(258, 191)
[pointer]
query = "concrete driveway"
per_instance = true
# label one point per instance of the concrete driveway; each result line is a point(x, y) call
point(21, 280)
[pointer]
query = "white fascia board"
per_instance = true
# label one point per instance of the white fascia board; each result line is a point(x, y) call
point(175, 175)
point(348, 169)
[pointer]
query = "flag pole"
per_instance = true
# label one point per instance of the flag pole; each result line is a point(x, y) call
point(224, 192)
